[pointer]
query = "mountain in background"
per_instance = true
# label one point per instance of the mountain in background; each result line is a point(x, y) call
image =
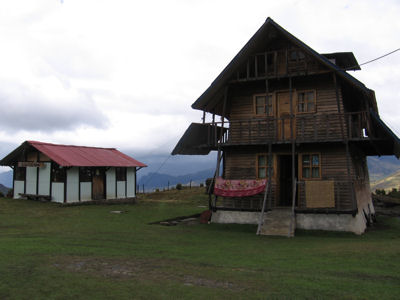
point(381, 167)
point(3, 189)
point(152, 181)
point(182, 169)
point(6, 179)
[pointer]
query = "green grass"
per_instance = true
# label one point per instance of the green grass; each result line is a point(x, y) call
point(86, 252)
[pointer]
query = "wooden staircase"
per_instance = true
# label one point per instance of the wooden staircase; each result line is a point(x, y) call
point(278, 222)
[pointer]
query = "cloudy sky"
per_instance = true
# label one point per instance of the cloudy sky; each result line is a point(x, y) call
point(123, 74)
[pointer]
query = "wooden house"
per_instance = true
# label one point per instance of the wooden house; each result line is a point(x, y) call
point(65, 174)
point(292, 129)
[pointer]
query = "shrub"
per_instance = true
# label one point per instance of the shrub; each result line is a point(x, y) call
point(179, 186)
point(1, 195)
point(10, 193)
point(201, 184)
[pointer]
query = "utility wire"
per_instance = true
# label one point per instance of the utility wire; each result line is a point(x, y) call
point(380, 57)
point(375, 59)
point(159, 168)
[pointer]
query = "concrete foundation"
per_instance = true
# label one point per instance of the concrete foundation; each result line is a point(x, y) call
point(331, 222)
point(235, 217)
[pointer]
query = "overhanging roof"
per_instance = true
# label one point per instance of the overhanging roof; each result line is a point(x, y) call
point(344, 60)
point(74, 156)
point(384, 132)
point(263, 35)
point(198, 139)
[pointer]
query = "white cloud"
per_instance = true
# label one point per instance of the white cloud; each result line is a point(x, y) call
point(124, 73)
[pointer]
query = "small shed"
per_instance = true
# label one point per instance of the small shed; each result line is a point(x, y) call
point(66, 173)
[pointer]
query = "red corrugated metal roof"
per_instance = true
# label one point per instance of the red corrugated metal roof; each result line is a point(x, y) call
point(81, 156)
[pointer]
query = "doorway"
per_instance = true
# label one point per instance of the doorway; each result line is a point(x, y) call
point(283, 115)
point(98, 184)
point(285, 179)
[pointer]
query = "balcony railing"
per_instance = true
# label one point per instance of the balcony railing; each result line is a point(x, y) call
point(298, 128)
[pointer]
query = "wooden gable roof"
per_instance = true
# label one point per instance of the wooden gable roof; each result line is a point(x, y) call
point(267, 34)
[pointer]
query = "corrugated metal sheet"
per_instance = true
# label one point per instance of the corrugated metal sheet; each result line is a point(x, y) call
point(80, 156)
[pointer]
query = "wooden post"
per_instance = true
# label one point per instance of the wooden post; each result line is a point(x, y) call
point(342, 120)
point(204, 116)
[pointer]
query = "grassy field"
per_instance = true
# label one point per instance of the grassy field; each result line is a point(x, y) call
point(87, 252)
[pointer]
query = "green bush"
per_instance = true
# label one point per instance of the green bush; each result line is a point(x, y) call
point(179, 186)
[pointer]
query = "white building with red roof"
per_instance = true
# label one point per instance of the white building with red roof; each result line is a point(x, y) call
point(66, 174)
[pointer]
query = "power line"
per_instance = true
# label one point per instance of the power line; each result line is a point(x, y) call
point(380, 57)
point(159, 168)
point(375, 59)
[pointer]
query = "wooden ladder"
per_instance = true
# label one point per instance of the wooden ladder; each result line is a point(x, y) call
point(266, 191)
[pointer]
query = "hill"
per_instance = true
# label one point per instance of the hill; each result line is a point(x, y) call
point(381, 167)
point(387, 183)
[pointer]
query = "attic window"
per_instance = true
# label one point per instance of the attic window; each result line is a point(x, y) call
point(263, 105)
point(296, 55)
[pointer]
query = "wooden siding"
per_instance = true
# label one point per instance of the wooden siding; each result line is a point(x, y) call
point(241, 164)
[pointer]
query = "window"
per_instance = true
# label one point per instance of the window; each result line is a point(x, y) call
point(121, 174)
point(296, 55)
point(20, 173)
point(310, 166)
point(262, 166)
point(85, 174)
point(58, 173)
point(263, 105)
point(306, 102)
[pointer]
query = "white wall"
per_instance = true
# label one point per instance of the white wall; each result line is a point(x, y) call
point(86, 191)
point(110, 183)
point(121, 189)
point(18, 188)
point(130, 181)
point(44, 179)
point(73, 185)
point(31, 180)
point(57, 192)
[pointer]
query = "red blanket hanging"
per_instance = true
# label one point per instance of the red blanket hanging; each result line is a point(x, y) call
point(238, 188)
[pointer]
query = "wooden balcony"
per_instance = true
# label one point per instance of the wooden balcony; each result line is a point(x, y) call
point(301, 128)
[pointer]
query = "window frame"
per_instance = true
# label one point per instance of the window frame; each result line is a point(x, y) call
point(271, 105)
point(264, 166)
point(305, 101)
point(310, 166)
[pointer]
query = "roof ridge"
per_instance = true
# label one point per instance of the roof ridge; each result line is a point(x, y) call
point(63, 145)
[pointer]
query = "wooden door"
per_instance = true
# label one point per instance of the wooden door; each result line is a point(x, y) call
point(283, 115)
point(98, 184)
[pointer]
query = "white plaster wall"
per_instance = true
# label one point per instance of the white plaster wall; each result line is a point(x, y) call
point(110, 183)
point(130, 181)
point(44, 179)
point(73, 185)
point(18, 188)
point(57, 192)
point(31, 180)
point(121, 189)
point(86, 191)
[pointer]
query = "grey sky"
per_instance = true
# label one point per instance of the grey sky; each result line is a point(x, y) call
point(124, 73)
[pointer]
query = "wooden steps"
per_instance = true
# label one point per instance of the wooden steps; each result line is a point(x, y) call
point(278, 222)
